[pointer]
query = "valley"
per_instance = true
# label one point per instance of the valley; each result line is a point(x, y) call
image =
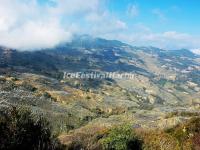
point(164, 92)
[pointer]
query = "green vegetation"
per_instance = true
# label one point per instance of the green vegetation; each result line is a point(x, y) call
point(28, 87)
point(158, 140)
point(182, 113)
point(121, 138)
point(82, 111)
point(20, 130)
point(187, 134)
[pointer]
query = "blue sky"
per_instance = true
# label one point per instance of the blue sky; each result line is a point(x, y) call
point(180, 15)
point(168, 24)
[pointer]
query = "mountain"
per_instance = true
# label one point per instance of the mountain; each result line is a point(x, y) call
point(164, 91)
point(83, 52)
point(86, 53)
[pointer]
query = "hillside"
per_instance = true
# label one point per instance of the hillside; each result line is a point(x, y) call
point(164, 92)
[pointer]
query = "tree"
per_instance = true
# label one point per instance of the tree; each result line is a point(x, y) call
point(19, 130)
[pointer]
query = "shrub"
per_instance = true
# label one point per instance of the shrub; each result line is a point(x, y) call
point(20, 131)
point(196, 141)
point(121, 138)
point(157, 140)
point(28, 87)
point(182, 113)
point(187, 134)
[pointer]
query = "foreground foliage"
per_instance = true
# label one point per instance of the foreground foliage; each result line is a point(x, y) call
point(187, 134)
point(20, 130)
point(121, 138)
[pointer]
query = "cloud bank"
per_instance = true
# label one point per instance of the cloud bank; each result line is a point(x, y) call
point(196, 51)
point(30, 24)
point(37, 24)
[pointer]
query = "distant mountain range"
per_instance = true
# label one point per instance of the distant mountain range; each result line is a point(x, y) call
point(165, 89)
point(86, 53)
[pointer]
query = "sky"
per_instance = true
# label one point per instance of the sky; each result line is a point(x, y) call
point(36, 24)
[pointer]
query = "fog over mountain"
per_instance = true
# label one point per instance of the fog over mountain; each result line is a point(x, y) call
point(38, 24)
point(196, 51)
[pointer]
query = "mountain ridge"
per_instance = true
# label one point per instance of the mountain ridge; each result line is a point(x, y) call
point(165, 89)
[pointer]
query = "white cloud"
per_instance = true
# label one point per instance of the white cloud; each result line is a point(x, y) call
point(141, 35)
point(161, 16)
point(133, 10)
point(75, 6)
point(26, 24)
point(33, 35)
point(196, 51)
point(175, 9)
point(103, 23)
